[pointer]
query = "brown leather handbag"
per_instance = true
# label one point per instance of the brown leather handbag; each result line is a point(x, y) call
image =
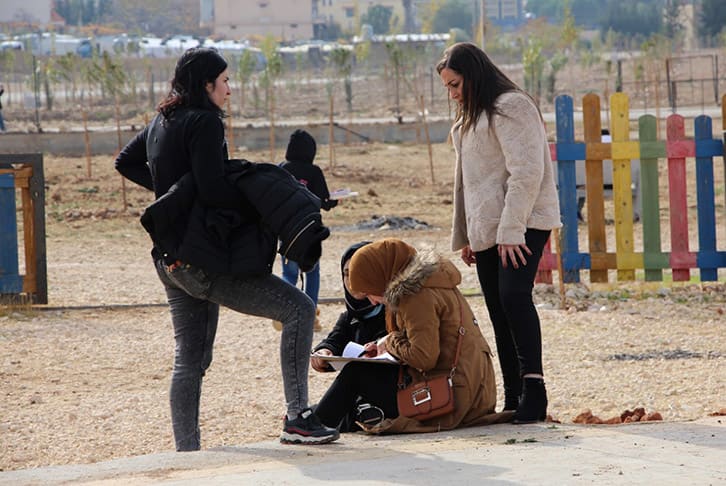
point(432, 397)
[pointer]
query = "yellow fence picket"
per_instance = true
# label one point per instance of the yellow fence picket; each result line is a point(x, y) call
point(622, 152)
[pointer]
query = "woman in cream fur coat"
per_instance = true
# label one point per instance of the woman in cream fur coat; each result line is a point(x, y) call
point(505, 206)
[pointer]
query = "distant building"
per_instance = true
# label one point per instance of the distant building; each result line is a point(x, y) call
point(347, 13)
point(237, 19)
point(505, 13)
point(35, 12)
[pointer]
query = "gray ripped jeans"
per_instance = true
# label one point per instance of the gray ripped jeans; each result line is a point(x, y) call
point(194, 298)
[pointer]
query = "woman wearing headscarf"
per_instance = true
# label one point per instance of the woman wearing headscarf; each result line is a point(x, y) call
point(424, 311)
point(362, 322)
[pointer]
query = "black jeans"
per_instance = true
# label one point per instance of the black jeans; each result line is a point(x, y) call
point(508, 296)
point(374, 383)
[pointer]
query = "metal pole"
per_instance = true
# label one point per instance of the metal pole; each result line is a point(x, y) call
point(483, 23)
point(36, 93)
point(431, 77)
point(715, 78)
point(474, 20)
point(668, 80)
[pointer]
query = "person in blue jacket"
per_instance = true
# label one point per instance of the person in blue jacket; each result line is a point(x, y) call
point(299, 157)
point(2, 121)
point(185, 138)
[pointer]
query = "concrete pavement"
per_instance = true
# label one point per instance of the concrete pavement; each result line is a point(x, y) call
point(660, 453)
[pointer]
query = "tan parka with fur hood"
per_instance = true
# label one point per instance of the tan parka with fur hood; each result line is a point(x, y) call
point(427, 312)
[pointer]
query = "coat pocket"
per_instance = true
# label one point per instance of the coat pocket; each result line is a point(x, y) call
point(192, 280)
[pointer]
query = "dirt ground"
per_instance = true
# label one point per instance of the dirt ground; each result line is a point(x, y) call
point(86, 379)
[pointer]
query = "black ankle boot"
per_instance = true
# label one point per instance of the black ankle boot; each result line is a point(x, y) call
point(512, 392)
point(533, 405)
point(510, 402)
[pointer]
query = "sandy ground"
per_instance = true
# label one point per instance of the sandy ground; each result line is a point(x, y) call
point(86, 379)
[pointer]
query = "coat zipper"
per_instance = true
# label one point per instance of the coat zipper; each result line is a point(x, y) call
point(297, 236)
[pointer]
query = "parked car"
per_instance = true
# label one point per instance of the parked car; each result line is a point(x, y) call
point(152, 47)
point(177, 44)
point(233, 50)
point(52, 44)
point(84, 48)
point(11, 45)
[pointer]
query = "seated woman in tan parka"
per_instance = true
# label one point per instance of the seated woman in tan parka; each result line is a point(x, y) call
point(423, 314)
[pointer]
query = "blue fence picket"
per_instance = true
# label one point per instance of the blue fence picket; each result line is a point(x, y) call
point(10, 281)
point(708, 259)
point(568, 151)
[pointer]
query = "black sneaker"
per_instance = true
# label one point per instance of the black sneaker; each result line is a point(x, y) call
point(368, 414)
point(307, 429)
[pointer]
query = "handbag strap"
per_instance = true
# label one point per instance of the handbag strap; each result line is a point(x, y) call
point(461, 332)
point(458, 351)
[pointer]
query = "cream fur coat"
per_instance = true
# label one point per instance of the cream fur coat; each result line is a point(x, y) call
point(504, 180)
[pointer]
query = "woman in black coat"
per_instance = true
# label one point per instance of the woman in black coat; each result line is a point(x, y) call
point(187, 137)
point(362, 322)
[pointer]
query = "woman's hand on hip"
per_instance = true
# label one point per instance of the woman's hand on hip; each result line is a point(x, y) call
point(468, 255)
point(513, 253)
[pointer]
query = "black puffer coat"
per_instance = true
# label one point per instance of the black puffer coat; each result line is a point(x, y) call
point(285, 206)
point(239, 242)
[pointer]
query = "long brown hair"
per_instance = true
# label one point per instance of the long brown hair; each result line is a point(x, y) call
point(483, 82)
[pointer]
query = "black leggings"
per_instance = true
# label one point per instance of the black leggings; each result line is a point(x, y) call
point(508, 296)
point(374, 383)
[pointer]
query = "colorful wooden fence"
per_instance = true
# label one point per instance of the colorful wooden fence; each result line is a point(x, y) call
point(23, 172)
point(677, 151)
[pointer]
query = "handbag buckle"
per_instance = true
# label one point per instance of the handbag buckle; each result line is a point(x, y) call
point(422, 395)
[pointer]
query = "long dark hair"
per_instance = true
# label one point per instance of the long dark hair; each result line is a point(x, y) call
point(483, 82)
point(194, 69)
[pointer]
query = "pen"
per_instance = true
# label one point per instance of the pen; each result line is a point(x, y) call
point(362, 353)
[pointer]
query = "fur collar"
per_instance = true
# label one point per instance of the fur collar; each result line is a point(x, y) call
point(412, 278)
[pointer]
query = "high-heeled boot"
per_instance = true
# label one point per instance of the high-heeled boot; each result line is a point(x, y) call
point(533, 405)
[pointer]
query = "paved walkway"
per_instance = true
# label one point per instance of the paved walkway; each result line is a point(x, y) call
point(661, 453)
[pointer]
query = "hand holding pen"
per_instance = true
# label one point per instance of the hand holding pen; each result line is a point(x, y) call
point(374, 348)
point(370, 350)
